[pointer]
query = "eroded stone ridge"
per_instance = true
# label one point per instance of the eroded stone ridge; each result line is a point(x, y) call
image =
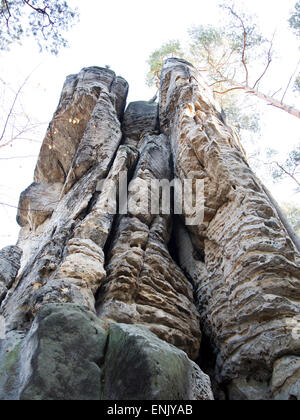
point(140, 118)
point(70, 354)
point(143, 283)
point(248, 281)
point(92, 282)
point(9, 266)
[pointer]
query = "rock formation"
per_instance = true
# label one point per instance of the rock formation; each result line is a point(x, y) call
point(113, 303)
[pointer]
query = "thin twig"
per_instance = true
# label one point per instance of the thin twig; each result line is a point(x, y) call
point(9, 14)
point(229, 90)
point(13, 105)
point(20, 208)
point(286, 172)
point(245, 38)
point(290, 81)
point(19, 157)
point(12, 108)
point(277, 91)
point(40, 11)
point(268, 63)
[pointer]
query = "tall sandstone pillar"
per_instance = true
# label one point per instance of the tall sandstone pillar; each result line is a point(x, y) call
point(132, 306)
point(244, 265)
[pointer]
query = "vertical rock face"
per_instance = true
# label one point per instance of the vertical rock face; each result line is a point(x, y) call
point(79, 150)
point(248, 281)
point(143, 283)
point(9, 266)
point(110, 299)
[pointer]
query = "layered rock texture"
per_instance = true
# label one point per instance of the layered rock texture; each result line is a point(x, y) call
point(121, 302)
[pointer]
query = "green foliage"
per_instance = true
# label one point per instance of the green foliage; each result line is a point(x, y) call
point(241, 112)
point(294, 22)
point(205, 39)
point(240, 24)
point(293, 214)
point(295, 19)
point(227, 55)
point(289, 168)
point(297, 84)
point(157, 58)
point(234, 58)
point(44, 20)
point(210, 51)
point(226, 51)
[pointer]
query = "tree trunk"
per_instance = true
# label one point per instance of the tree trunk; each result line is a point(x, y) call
point(274, 102)
point(269, 99)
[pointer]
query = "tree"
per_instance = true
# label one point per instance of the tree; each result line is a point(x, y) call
point(44, 20)
point(293, 214)
point(295, 19)
point(228, 55)
point(157, 58)
point(215, 51)
point(241, 112)
point(297, 84)
point(242, 116)
point(290, 167)
point(294, 22)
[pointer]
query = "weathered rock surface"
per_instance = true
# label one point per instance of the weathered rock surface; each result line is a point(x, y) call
point(81, 93)
point(9, 266)
point(59, 359)
point(10, 352)
point(285, 380)
point(37, 203)
point(144, 285)
point(150, 369)
point(111, 299)
point(248, 279)
point(140, 118)
point(70, 354)
point(62, 354)
point(96, 99)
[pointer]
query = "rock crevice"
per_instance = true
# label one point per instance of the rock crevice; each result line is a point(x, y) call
point(93, 275)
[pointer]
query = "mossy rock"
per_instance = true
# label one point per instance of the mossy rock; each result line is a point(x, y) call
point(140, 366)
point(10, 349)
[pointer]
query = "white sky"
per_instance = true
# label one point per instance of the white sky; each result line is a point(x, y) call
point(122, 34)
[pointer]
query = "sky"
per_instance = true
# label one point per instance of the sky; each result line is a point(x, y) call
point(122, 34)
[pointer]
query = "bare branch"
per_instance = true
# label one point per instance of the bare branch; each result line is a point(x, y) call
point(12, 108)
point(41, 11)
point(218, 82)
point(290, 81)
point(10, 113)
point(7, 9)
point(245, 38)
point(23, 208)
point(277, 91)
point(270, 100)
point(229, 90)
point(286, 172)
point(19, 157)
point(269, 61)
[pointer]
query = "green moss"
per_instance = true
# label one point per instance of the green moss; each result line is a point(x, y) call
point(9, 365)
